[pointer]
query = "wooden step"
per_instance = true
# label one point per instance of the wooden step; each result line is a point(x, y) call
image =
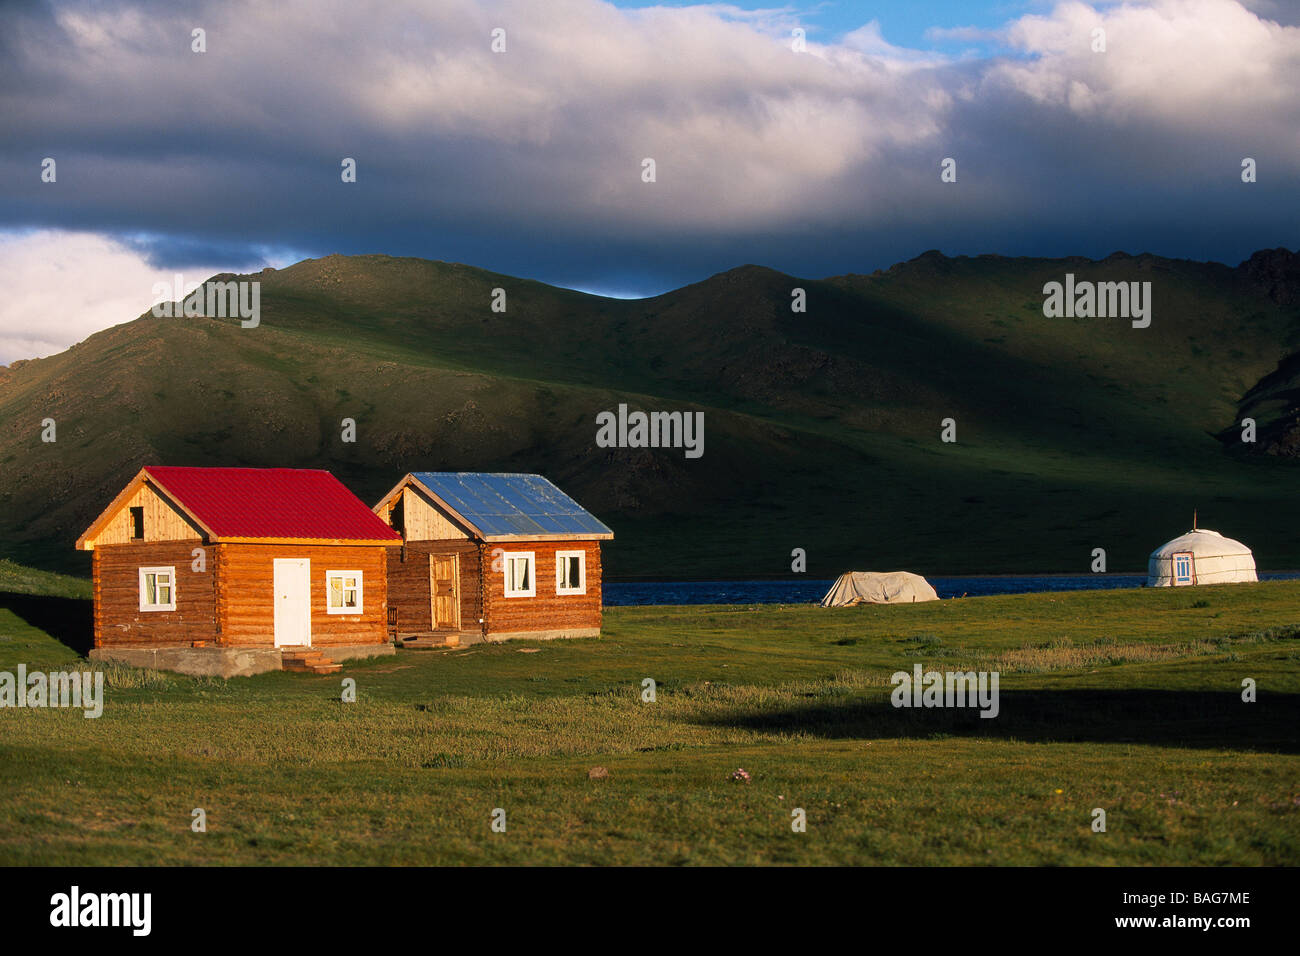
point(307, 660)
point(429, 642)
point(313, 668)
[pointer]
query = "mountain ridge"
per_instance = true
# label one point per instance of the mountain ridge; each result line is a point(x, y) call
point(1068, 430)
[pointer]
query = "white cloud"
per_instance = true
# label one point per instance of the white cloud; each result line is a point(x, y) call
point(1186, 65)
point(747, 134)
point(61, 287)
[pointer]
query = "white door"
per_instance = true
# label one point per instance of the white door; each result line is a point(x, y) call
point(292, 602)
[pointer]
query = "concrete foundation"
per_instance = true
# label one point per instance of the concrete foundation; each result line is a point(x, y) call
point(223, 661)
point(347, 652)
point(550, 635)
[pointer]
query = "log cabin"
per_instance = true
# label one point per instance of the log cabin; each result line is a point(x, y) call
point(490, 557)
point(234, 571)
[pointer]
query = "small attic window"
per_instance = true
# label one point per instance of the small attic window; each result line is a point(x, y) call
point(137, 523)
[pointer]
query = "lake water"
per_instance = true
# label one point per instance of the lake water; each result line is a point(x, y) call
point(812, 591)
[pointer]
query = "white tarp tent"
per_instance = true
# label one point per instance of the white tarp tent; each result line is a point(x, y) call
point(878, 587)
point(1200, 557)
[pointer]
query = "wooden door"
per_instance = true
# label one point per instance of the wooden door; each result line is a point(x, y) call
point(292, 593)
point(444, 582)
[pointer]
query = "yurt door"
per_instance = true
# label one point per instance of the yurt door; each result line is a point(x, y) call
point(1184, 568)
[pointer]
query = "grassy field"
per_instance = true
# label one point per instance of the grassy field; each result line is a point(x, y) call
point(17, 579)
point(1124, 700)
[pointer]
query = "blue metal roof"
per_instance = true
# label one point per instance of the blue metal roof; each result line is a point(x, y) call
point(503, 504)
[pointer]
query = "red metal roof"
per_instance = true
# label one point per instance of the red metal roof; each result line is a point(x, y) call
point(272, 503)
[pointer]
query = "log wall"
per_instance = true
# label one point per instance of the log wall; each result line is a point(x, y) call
point(246, 606)
point(547, 610)
point(116, 581)
point(408, 583)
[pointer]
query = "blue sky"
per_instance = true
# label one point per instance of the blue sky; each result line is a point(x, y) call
point(902, 23)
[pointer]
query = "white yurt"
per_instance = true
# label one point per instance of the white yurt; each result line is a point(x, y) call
point(1201, 556)
point(878, 587)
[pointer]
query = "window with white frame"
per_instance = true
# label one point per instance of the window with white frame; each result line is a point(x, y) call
point(570, 572)
point(343, 592)
point(157, 589)
point(519, 574)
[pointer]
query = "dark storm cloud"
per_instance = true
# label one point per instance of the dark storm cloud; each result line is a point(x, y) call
point(529, 161)
point(185, 252)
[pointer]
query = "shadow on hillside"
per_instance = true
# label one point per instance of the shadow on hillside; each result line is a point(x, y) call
point(1194, 719)
point(70, 621)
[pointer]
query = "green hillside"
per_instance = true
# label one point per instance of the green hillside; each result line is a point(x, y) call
point(822, 429)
